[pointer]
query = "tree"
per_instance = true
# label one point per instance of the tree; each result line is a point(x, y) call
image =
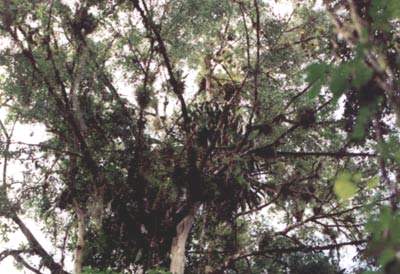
point(171, 123)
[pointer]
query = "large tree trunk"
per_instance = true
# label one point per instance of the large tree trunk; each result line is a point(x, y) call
point(80, 243)
point(178, 245)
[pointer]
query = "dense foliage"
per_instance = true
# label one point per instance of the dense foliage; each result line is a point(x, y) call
point(202, 136)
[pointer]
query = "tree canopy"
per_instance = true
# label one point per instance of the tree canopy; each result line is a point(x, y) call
point(208, 136)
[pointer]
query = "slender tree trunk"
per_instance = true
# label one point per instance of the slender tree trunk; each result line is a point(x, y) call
point(206, 268)
point(80, 244)
point(178, 245)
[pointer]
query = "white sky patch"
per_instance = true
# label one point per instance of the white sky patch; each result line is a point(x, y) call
point(282, 8)
point(339, 112)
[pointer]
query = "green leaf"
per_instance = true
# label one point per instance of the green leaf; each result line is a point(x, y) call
point(362, 120)
point(316, 71)
point(253, 135)
point(315, 89)
point(384, 10)
point(356, 177)
point(387, 255)
point(395, 233)
point(316, 74)
point(385, 218)
point(339, 80)
point(373, 182)
point(361, 73)
point(344, 187)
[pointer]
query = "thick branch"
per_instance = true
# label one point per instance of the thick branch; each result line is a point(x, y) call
point(269, 152)
point(177, 86)
point(243, 255)
point(38, 249)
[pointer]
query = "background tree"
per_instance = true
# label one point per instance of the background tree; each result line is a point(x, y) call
point(172, 123)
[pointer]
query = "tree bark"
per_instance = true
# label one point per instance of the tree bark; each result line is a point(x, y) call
point(178, 245)
point(80, 244)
